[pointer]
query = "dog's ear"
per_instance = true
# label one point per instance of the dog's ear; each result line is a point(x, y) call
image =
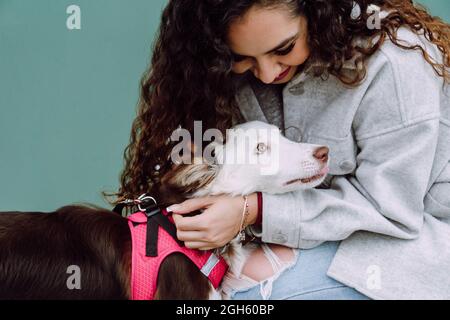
point(193, 173)
point(188, 178)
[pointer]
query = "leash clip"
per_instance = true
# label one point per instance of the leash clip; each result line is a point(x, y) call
point(144, 203)
point(144, 200)
point(148, 205)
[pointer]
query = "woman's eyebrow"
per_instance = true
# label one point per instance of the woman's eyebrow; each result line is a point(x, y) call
point(281, 45)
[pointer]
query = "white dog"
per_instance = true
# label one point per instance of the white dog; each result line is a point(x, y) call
point(255, 157)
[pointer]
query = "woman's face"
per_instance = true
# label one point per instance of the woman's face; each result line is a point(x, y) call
point(270, 43)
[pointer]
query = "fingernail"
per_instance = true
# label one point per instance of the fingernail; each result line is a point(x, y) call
point(174, 207)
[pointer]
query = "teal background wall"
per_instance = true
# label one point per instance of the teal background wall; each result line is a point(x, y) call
point(68, 97)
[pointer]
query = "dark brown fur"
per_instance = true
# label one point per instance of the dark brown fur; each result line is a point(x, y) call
point(37, 248)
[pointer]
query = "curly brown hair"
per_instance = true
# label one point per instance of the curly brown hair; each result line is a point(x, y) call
point(190, 77)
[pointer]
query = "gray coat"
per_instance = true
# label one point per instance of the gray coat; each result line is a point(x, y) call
point(388, 194)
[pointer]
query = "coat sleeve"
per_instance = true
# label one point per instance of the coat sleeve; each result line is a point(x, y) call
point(386, 193)
point(385, 196)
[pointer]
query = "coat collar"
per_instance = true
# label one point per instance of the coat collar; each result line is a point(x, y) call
point(248, 103)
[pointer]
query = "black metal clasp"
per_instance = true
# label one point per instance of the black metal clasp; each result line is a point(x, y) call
point(144, 203)
point(148, 205)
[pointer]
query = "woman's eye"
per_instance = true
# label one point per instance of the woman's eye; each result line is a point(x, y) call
point(238, 58)
point(286, 51)
point(261, 148)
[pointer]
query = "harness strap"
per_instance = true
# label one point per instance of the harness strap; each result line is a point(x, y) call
point(165, 223)
point(155, 219)
point(119, 208)
point(213, 260)
point(151, 242)
point(153, 223)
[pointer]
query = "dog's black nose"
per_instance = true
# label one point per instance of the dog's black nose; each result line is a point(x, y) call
point(321, 154)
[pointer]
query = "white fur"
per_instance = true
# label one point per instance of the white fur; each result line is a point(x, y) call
point(250, 174)
point(294, 160)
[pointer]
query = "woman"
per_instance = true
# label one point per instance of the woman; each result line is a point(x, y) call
point(369, 84)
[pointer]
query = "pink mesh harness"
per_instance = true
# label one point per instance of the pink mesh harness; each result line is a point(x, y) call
point(152, 243)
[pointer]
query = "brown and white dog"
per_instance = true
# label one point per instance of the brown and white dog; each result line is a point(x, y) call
point(37, 248)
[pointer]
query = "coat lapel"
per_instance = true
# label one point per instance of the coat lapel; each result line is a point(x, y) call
point(248, 104)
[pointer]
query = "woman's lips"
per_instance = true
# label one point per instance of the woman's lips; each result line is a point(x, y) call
point(283, 74)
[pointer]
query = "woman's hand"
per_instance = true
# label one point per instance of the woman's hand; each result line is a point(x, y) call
point(217, 225)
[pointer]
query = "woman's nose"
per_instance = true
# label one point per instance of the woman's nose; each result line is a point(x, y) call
point(266, 71)
point(321, 154)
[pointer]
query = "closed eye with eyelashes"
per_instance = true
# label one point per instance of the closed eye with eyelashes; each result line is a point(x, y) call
point(281, 52)
point(286, 51)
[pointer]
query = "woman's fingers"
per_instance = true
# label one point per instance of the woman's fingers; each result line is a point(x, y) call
point(190, 205)
point(194, 239)
point(195, 223)
point(188, 236)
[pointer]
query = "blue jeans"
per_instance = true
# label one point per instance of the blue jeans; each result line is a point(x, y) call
point(306, 280)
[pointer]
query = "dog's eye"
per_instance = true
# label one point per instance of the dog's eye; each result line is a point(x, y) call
point(261, 148)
